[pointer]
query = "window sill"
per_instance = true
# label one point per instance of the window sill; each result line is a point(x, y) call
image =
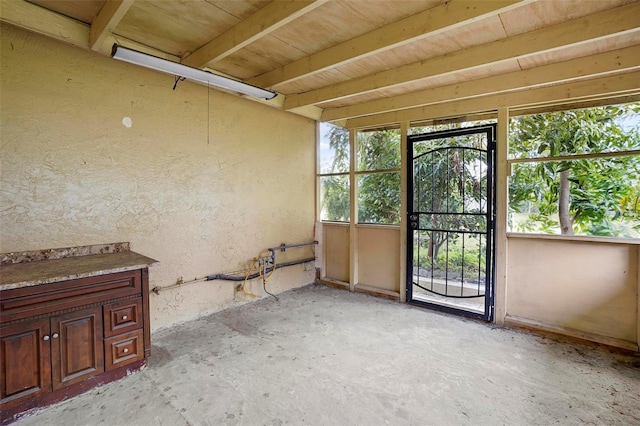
point(578, 238)
point(378, 225)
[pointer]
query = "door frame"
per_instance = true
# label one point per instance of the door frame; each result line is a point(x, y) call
point(489, 299)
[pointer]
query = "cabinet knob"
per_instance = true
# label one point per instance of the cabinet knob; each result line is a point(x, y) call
point(125, 350)
point(55, 335)
point(124, 317)
point(45, 338)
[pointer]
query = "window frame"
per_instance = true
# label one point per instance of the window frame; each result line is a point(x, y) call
point(513, 160)
point(353, 175)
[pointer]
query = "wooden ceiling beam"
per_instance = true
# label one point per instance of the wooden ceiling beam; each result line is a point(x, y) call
point(266, 20)
point(449, 15)
point(615, 61)
point(615, 100)
point(593, 89)
point(40, 20)
point(515, 112)
point(51, 24)
point(107, 19)
point(596, 26)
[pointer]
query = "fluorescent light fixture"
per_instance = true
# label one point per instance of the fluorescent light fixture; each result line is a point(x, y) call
point(174, 68)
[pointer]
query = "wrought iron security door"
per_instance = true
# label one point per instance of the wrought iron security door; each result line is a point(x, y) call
point(450, 240)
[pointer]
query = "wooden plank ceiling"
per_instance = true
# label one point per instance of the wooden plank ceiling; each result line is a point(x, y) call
point(363, 63)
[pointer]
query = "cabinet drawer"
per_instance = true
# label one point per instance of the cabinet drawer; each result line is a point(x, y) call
point(47, 298)
point(123, 349)
point(121, 317)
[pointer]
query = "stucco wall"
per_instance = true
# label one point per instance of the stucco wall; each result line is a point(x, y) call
point(336, 251)
point(379, 256)
point(201, 188)
point(587, 286)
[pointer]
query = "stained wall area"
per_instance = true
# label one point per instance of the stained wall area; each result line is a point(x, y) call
point(94, 151)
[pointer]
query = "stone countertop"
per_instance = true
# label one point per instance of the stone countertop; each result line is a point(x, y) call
point(48, 271)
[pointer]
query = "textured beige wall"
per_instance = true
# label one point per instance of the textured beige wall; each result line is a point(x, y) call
point(586, 286)
point(379, 256)
point(336, 251)
point(201, 197)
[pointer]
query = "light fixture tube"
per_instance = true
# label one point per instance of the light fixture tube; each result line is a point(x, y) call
point(174, 68)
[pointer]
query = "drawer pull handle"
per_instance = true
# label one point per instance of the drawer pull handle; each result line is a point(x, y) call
point(124, 317)
point(125, 350)
point(55, 335)
point(45, 338)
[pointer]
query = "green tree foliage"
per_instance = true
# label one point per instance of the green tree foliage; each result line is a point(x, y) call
point(339, 144)
point(588, 196)
point(335, 198)
point(379, 193)
point(450, 181)
point(335, 189)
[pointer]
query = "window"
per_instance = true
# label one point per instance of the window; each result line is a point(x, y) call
point(378, 176)
point(334, 161)
point(576, 172)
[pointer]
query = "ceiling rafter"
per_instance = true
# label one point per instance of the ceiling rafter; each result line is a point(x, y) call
point(108, 18)
point(266, 20)
point(519, 111)
point(431, 21)
point(593, 89)
point(596, 26)
point(39, 20)
point(613, 27)
point(595, 65)
point(42, 21)
point(613, 100)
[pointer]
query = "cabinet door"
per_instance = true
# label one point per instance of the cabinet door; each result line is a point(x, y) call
point(77, 348)
point(25, 369)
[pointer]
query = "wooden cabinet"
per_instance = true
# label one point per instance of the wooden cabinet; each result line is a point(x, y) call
point(122, 349)
point(124, 338)
point(25, 366)
point(39, 356)
point(60, 339)
point(77, 347)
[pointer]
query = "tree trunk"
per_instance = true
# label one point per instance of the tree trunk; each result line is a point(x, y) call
point(436, 244)
point(566, 222)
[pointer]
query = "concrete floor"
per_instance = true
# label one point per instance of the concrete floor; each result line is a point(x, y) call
point(322, 356)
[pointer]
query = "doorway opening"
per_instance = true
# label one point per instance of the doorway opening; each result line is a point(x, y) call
point(451, 220)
